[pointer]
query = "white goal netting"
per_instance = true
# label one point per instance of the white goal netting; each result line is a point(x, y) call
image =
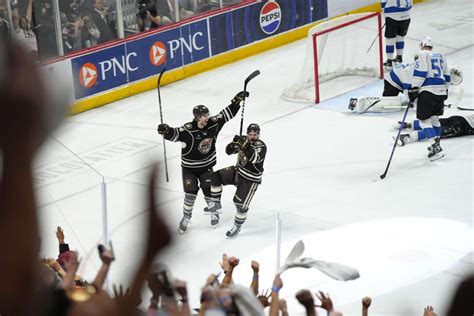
point(335, 48)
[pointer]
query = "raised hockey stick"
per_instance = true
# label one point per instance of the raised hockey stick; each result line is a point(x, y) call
point(247, 80)
point(382, 176)
point(161, 120)
point(370, 47)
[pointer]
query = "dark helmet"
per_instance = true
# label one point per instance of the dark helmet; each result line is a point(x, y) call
point(200, 110)
point(253, 128)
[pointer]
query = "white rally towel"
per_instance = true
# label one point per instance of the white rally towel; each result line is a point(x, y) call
point(334, 270)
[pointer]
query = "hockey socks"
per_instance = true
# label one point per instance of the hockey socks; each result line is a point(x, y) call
point(400, 45)
point(188, 205)
point(390, 47)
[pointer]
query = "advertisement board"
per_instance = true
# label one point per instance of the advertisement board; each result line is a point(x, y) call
point(143, 57)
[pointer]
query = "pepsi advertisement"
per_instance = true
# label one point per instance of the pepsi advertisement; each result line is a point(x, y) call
point(144, 57)
point(261, 20)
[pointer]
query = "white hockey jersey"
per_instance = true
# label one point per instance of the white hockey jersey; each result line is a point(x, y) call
point(401, 76)
point(398, 10)
point(431, 72)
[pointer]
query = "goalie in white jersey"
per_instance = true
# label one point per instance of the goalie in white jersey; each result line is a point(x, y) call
point(398, 80)
point(431, 80)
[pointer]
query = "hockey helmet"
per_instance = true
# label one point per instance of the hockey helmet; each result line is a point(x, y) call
point(426, 42)
point(456, 76)
point(200, 110)
point(253, 128)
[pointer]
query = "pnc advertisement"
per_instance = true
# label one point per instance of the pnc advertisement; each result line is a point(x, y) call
point(127, 62)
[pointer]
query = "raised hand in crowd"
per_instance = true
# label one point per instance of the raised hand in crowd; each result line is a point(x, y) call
point(305, 298)
point(283, 307)
point(256, 268)
point(232, 262)
point(22, 128)
point(326, 302)
point(275, 304)
point(264, 297)
point(429, 311)
point(366, 301)
point(60, 235)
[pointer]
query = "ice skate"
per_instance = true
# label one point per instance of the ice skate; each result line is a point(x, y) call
point(435, 151)
point(398, 59)
point(388, 64)
point(215, 208)
point(214, 219)
point(234, 231)
point(183, 224)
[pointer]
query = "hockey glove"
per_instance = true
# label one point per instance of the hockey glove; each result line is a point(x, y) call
point(163, 129)
point(413, 94)
point(239, 97)
point(241, 141)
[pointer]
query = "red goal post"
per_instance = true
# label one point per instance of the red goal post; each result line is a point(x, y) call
point(345, 46)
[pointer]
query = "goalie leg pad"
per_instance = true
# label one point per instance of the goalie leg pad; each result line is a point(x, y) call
point(376, 104)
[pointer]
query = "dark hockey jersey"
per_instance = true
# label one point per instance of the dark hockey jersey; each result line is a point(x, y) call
point(457, 125)
point(199, 145)
point(250, 161)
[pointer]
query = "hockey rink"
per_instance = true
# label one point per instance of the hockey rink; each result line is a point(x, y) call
point(410, 235)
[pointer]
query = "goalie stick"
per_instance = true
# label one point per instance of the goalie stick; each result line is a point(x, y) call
point(161, 120)
point(247, 80)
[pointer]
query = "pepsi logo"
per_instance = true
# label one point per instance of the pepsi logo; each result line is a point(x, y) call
point(88, 75)
point(270, 17)
point(158, 53)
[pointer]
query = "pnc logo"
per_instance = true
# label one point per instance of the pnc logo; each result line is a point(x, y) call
point(158, 53)
point(88, 75)
point(270, 17)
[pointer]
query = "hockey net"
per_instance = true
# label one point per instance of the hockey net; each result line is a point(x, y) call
point(339, 47)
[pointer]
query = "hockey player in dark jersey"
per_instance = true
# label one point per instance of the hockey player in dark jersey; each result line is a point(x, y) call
point(198, 154)
point(453, 126)
point(246, 175)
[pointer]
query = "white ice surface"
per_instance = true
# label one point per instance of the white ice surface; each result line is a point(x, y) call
point(410, 235)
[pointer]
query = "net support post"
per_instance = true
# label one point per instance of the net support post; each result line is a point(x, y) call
point(105, 221)
point(379, 21)
point(278, 242)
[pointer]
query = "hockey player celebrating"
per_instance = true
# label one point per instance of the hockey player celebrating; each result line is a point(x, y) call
point(246, 175)
point(198, 154)
point(431, 79)
point(397, 21)
point(453, 126)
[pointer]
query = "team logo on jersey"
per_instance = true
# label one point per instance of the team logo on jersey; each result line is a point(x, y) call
point(88, 75)
point(270, 17)
point(242, 158)
point(158, 53)
point(205, 145)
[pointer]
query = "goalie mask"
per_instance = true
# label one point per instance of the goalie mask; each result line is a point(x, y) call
point(456, 76)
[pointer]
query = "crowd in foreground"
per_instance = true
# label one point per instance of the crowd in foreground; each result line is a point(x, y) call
point(31, 286)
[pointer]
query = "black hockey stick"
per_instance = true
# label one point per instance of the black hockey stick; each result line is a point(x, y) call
point(370, 47)
point(161, 120)
point(247, 80)
point(464, 109)
point(395, 145)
